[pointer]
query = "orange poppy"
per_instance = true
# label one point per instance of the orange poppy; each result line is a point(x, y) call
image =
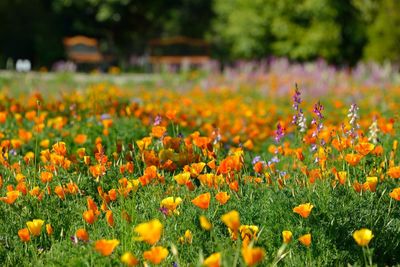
point(156, 254)
point(110, 218)
point(394, 172)
point(11, 197)
point(305, 240)
point(353, 159)
point(89, 216)
point(214, 260)
point(395, 194)
point(364, 148)
point(202, 201)
point(252, 256)
point(303, 210)
point(106, 247)
point(82, 234)
point(24, 235)
point(222, 197)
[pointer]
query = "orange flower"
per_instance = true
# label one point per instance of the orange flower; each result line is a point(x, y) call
point(370, 184)
point(353, 159)
point(129, 259)
point(49, 229)
point(156, 254)
point(214, 260)
point(150, 232)
point(35, 226)
point(364, 148)
point(395, 194)
point(106, 247)
point(110, 218)
point(287, 236)
point(394, 172)
point(46, 177)
point(11, 197)
point(341, 176)
point(252, 256)
point(24, 235)
point(303, 210)
point(89, 216)
point(248, 233)
point(80, 139)
point(205, 223)
point(82, 234)
point(202, 201)
point(158, 131)
point(59, 191)
point(232, 220)
point(305, 240)
point(222, 197)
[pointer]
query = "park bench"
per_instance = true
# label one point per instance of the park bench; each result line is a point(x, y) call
point(82, 49)
point(182, 52)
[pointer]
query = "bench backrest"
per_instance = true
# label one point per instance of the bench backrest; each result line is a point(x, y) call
point(82, 49)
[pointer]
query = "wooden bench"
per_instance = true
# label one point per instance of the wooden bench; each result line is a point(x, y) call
point(82, 49)
point(179, 51)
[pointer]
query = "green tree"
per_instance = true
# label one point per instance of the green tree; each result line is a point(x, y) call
point(384, 33)
point(298, 29)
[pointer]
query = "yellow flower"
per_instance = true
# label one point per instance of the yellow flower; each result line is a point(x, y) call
point(35, 226)
point(129, 259)
point(205, 223)
point(214, 260)
point(287, 236)
point(170, 204)
point(363, 237)
point(182, 178)
point(248, 233)
point(187, 237)
point(150, 232)
point(232, 220)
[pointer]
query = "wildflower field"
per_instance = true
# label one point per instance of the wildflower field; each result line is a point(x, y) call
point(296, 166)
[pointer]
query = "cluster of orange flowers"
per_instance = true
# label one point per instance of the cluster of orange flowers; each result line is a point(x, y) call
point(223, 128)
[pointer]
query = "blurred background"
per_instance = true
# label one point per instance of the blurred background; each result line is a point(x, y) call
point(131, 34)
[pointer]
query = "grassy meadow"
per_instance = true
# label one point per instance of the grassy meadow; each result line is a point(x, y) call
point(295, 166)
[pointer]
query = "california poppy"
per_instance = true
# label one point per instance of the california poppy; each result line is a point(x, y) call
point(363, 237)
point(202, 201)
point(35, 226)
point(214, 260)
point(222, 197)
point(129, 259)
point(156, 254)
point(82, 234)
point(303, 210)
point(305, 240)
point(252, 256)
point(24, 235)
point(149, 232)
point(106, 247)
